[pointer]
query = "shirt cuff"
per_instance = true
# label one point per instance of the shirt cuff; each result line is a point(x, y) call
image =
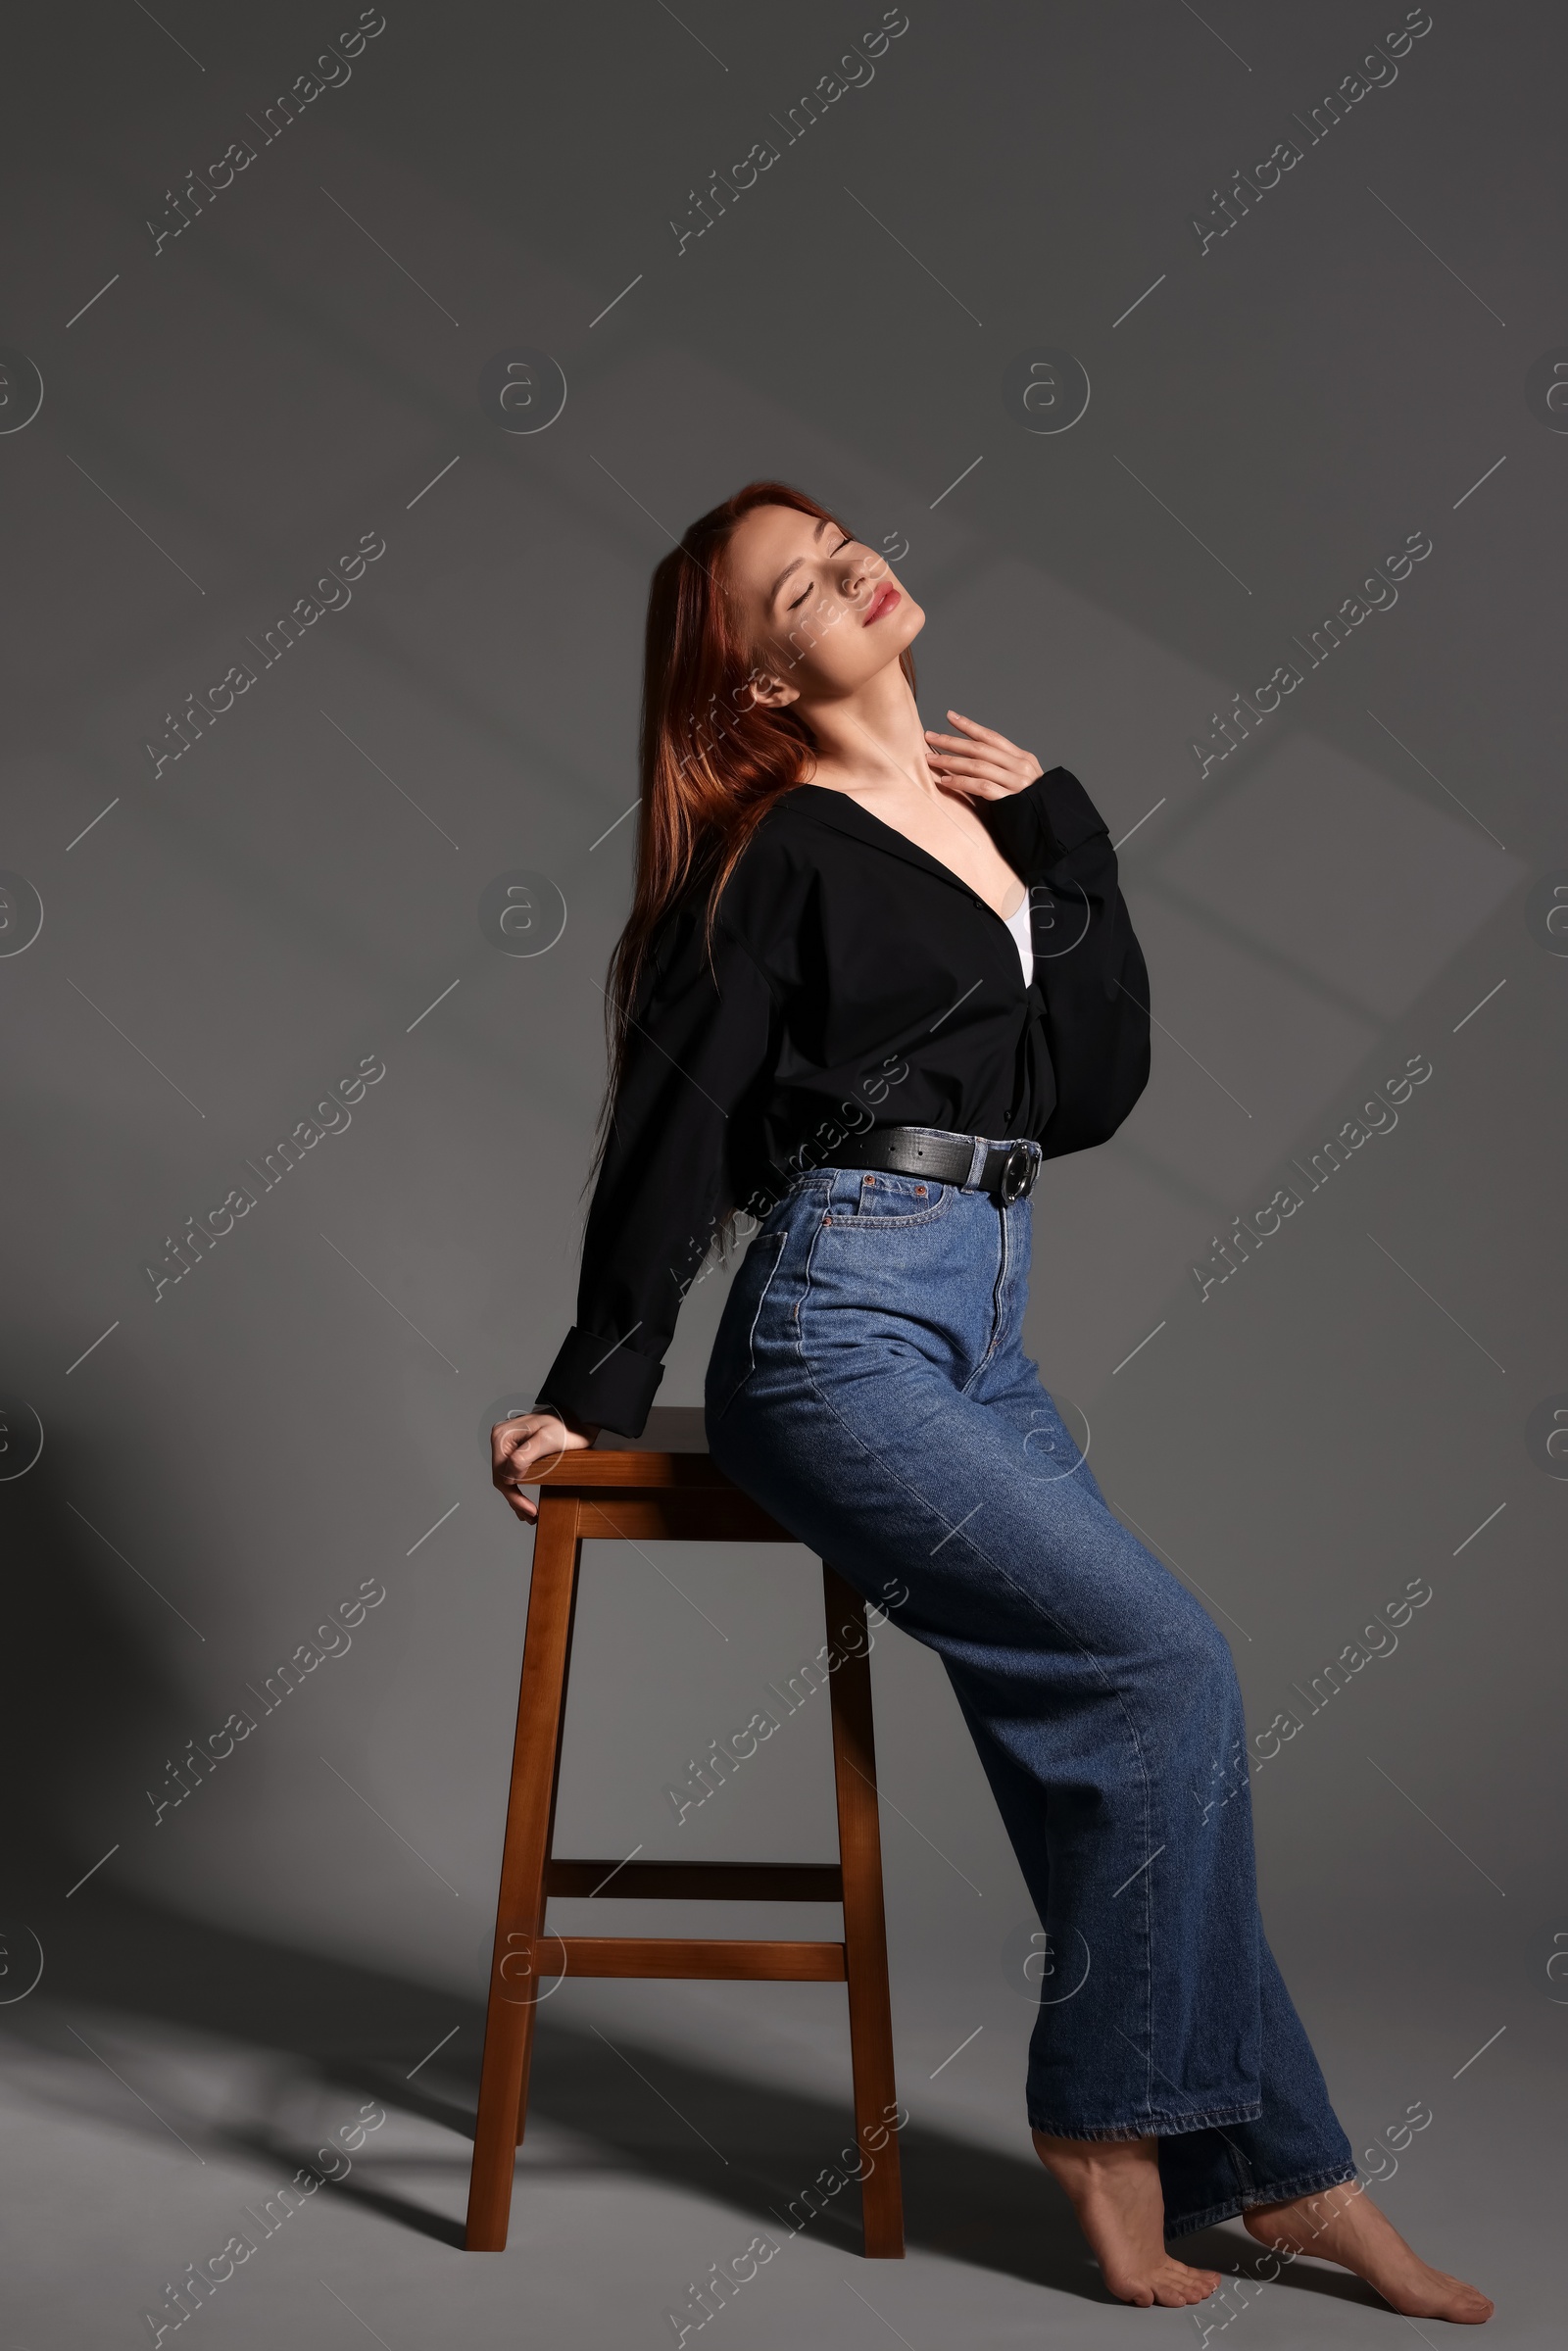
point(603, 1380)
point(1069, 815)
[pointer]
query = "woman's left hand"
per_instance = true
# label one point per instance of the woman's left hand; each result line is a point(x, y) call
point(980, 762)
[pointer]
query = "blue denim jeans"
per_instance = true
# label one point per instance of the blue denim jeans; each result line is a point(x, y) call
point(868, 1387)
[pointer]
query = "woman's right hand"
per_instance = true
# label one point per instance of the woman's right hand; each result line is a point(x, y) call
point(520, 1447)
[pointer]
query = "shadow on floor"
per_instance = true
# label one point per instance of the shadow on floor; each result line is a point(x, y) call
point(644, 2113)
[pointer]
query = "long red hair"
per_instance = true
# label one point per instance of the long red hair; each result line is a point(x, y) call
point(711, 762)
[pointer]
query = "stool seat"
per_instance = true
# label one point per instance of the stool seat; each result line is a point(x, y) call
point(642, 1490)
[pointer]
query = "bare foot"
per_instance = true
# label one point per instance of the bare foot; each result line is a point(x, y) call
point(1344, 2224)
point(1114, 2185)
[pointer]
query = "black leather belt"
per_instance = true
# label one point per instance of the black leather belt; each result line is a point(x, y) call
point(1007, 1170)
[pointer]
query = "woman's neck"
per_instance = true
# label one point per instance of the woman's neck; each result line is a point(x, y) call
point(872, 740)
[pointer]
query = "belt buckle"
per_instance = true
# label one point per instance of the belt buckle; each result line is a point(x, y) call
point(1017, 1175)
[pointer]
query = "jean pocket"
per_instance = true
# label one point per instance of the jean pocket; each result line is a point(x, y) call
point(734, 1357)
point(893, 1203)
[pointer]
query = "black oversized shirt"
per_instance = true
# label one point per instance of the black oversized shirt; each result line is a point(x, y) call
point(856, 980)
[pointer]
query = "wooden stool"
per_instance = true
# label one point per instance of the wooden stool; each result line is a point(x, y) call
point(641, 1494)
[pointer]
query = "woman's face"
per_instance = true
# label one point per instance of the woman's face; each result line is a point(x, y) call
point(824, 612)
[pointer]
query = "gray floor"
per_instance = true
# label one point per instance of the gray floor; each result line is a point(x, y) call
point(165, 2076)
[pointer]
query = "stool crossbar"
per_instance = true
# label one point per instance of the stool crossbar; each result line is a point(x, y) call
point(592, 1495)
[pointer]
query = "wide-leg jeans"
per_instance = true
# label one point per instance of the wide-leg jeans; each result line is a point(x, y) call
point(868, 1387)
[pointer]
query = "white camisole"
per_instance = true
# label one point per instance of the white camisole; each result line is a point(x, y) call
point(1019, 924)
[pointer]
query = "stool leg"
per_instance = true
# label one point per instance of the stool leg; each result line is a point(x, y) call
point(549, 1846)
point(866, 1942)
point(514, 1968)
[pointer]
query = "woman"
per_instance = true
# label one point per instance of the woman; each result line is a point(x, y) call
point(874, 977)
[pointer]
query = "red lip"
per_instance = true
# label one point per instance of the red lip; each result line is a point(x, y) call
point(886, 596)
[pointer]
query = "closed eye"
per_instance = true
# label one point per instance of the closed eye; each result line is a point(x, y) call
point(805, 592)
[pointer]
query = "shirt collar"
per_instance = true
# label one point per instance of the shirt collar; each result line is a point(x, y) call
point(847, 815)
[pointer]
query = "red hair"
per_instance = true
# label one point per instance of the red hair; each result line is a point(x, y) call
point(712, 764)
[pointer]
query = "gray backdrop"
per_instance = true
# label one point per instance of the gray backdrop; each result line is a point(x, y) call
point(1145, 364)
